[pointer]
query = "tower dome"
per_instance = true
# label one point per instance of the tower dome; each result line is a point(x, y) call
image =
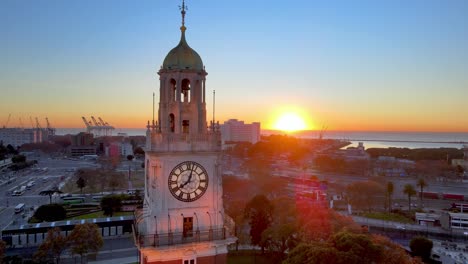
point(183, 57)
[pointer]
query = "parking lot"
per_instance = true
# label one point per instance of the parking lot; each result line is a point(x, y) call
point(48, 173)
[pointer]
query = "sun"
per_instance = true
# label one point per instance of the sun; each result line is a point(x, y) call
point(290, 122)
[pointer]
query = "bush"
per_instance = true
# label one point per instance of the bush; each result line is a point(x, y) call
point(18, 159)
point(421, 247)
point(50, 213)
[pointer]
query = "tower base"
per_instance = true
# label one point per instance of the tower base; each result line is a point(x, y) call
point(194, 253)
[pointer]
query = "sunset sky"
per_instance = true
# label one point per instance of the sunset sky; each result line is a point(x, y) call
point(347, 65)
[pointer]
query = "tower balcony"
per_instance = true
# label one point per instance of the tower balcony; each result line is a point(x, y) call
point(166, 142)
point(179, 238)
point(186, 235)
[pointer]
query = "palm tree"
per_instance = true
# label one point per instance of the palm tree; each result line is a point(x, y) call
point(50, 193)
point(410, 191)
point(390, 189)
point(421, 184)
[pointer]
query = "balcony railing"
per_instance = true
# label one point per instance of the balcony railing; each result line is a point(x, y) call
point(176, 238)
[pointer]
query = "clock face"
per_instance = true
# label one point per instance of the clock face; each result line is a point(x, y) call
point(188, 181)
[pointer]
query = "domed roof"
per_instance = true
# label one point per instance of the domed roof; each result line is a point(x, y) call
point(183, 56)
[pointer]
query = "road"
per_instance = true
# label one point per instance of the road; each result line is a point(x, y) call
point(47, 174)
point(113, 249)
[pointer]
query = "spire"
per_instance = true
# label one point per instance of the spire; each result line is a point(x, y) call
point(182, 11)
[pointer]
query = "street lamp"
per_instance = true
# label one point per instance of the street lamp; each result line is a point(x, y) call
point(210, 232)
point(210, 219)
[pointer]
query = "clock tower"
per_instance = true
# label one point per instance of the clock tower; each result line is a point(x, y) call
point(182, 220)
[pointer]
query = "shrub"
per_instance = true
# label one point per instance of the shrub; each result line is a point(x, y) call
point(50, 213)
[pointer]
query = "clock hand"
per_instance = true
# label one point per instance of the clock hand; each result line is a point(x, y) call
point(189, 179)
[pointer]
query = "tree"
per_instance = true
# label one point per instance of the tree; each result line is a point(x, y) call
point(50, 213)
point(410, 191)
point(421, 246)
point(421, 184)
point(282, 234)
point(259, 211)
point(393, 253)
point(54, 244)
point(81, 183)
point(2, 250)
point(85, 238)
point(350, 248)
point(317, 253)
point(360, 246)
point(139, 151)
point(18, 159)
point(50, 193)
point(390, 189)
point(111, 204)
point(318, 223)
point(11, 150)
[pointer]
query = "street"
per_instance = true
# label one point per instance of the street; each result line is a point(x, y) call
point(47, 174)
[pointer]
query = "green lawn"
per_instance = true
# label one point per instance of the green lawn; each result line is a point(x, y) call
point(99, 214)
point(389, 217)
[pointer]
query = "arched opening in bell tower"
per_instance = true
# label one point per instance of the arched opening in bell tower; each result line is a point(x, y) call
point(173, 89)
point(185, 96)
point(171, 123)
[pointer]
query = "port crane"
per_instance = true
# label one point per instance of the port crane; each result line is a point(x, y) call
point(38, 125)
point(98, 126)
point(50, 129)
point(8, 120)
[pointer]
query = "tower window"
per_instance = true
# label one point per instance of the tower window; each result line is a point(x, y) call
point(185, 91)
point(173, 90)
point(188, 227)
point(185, 126)
point(171, 123)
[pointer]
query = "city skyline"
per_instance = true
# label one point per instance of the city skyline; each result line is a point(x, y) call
point(392, 66)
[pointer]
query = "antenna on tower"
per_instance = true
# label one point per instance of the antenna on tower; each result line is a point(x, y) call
point(153, 110)
point(214, 101)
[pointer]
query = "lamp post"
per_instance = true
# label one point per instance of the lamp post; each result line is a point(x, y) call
point(170, 229)
point(197, 233)
point(156, 236)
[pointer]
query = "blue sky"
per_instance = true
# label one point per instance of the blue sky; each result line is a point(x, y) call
point(352, 65)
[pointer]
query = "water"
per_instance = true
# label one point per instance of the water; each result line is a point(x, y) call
point(370, 139)
point(394, 139)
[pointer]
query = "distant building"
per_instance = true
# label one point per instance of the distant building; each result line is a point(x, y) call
point(428, 219)
point(238, 131)
point(462, 162)
point(82, 144)
point(354, 153)
point(113, 150)
point(450, 220)
point(117, 149)
point(19, 136)
point(126, 149)
point(82, 139)
point(392, 167)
